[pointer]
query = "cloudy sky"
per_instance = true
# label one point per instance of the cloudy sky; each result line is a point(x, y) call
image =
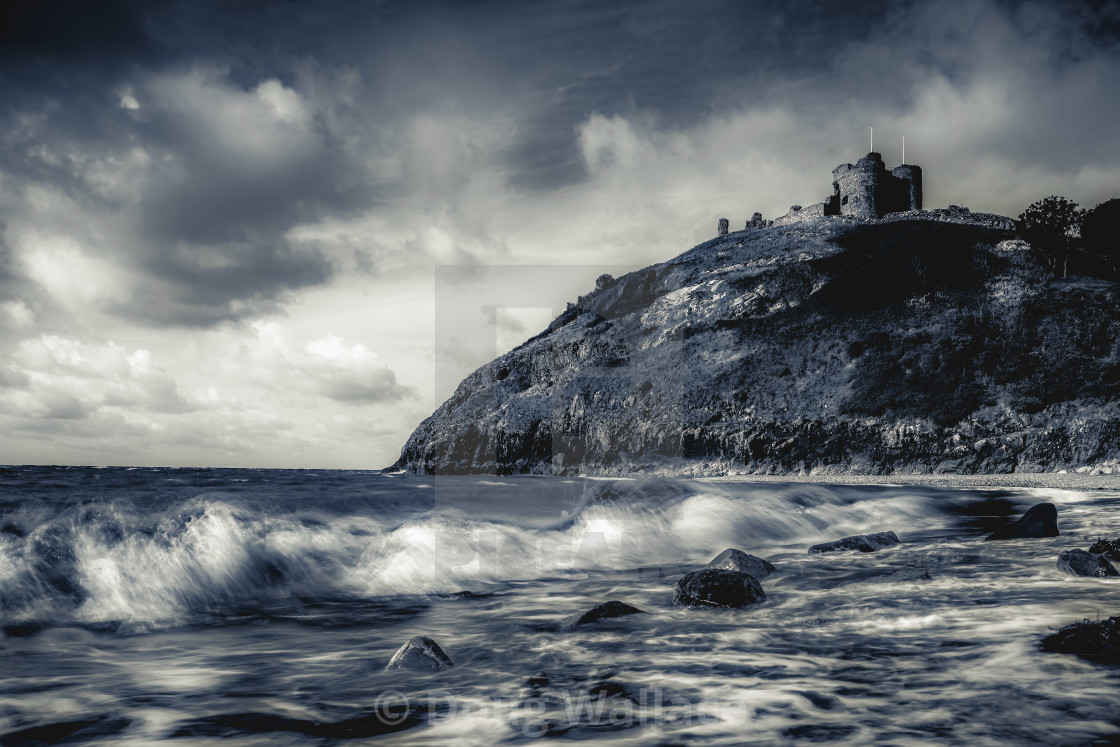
point(226, 228)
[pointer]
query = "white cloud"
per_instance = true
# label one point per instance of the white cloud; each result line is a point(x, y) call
point(16, 313)
point(611, 142)
point(262, 128)
point(73, 276)
point(235, 396)
point(350, 373)
point(284, 103)
point(326, 367)
point(64, 378)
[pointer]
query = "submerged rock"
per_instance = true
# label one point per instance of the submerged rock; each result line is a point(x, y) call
point(717, 587)
point(906, 574)
point(420, 653)
point(606, 610)
point(1098, 641)
point(1038, 521)
point(1080, 563)
point(861, 542)
point(737, 560)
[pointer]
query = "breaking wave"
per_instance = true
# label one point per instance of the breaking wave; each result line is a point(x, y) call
point(222, 556)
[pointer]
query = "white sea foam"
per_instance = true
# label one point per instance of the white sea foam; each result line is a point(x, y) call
point(121, 564)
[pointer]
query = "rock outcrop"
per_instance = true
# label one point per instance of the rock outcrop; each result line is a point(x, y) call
point(420, 653)
point(1108, 548)
point(860, 542)
point(715, 587)
point(737, 560)
point(900, 576)
point(1080, 563)
point(833, 345)
point(1039, 521)
point(1097, 641)
point(606, 611)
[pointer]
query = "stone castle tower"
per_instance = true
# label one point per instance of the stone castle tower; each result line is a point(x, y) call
point(867, 189)
point(871, 190)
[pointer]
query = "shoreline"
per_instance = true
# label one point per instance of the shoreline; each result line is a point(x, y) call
point(1053, 480)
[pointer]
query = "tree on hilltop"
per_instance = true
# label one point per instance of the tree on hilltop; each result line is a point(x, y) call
point(1048, 225)
point(1100, 232)
point(606, 280)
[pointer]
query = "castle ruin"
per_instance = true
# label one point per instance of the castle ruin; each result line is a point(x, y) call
point(871, 190)
point(866, 190)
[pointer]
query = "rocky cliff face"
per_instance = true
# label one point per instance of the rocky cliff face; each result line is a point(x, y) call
point(832, 345)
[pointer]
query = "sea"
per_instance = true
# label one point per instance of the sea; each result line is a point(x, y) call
point(261, 607)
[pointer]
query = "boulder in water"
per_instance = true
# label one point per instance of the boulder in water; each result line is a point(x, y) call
point(1098, 641)
point(1080, 563)
point(420, 653)
point(605, 611)
point(1108, 548)
point(717, 587)
point(737, 560)
point(861, 542)
point(1038, 521)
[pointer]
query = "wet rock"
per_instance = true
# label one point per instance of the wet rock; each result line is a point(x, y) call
point(1038, 521)
point(1108, 548)
point(906, 574)
point(1098, 641)
point(737, 560)
point(717, 587)
point(606, 610)
point(1080, 563)
point(861, 542)
point(420, 653)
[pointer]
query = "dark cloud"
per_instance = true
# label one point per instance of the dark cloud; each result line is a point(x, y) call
point(73, 30)
point(196, 135)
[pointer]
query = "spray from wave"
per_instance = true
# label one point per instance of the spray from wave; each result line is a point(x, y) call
point(218, 555)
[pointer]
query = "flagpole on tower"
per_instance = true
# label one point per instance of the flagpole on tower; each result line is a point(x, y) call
point(872, 137)
point(904, 147)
